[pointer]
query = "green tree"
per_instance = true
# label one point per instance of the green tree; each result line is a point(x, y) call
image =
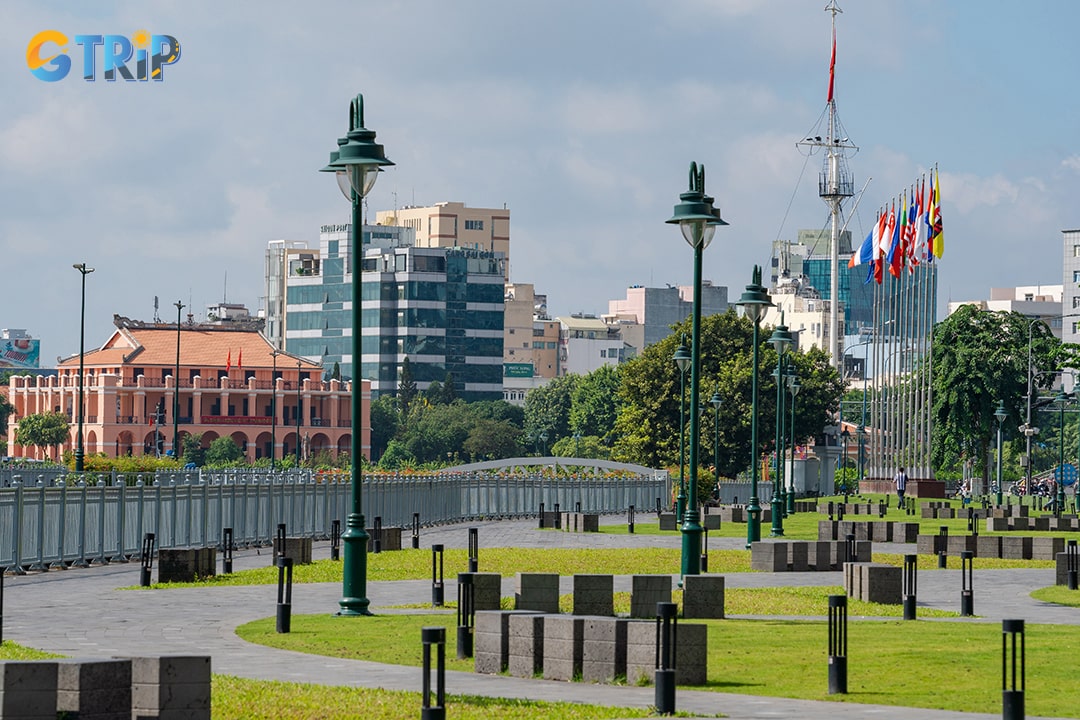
point(6, 409)
point(335, 374)
point(492, 439)
point(384, 424)
point(437, 431)
point(547, 409)
point(594, 403)
point(406, 391)
point(223, 451)
point(647, 425)
point(981, 359)
point(43, 430)
point(396, 456)
point(588, 446)
point(193, 450)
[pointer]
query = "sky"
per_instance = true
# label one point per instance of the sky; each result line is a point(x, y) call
point(580, 117)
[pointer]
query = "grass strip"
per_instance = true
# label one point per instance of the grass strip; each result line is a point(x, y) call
point(948, 666)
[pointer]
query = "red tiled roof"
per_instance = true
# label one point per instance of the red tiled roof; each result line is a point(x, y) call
point(200, 346)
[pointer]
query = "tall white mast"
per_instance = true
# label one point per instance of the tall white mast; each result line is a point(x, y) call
point(835, 184)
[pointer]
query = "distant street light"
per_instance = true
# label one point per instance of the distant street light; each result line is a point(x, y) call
point(79, 449)
point(793, 388)
point(715, 401)
point(176, 387)
point(682, 362)
point(754, 302)
point(781, 340)
point(1000, 414)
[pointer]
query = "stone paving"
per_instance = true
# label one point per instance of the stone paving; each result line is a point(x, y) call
point(82, 613)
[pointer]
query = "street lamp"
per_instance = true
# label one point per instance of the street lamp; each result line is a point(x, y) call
point(697, 219)
point(79, 450)
point(860, 431)
point(715, 401)
point(844, 437)
point(781, 340)
point(682, 362)
point(176, 387)
point(273, 412)
point(754, 302)
point(298, 405)
point(1062, 399)
point(793, 387)
point(544, 439)
point(1000, 414)
point(577, 443)
point(356, 164)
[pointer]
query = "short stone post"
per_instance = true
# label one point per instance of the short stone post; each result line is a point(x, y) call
point(1071, 564)
point(577, 506)
point(831, 509)
point(437, 576)
point(967, 597)
point(284, 594)
point(1012, 692)
point(558, 518)
point(850, 555)
point(436, 636)
point(474, 549)
point(466, 615)
point(838, 644)
point(881, 508)
point(416, 530)
point(279, 542)
point(943, 546)
point(376, 540)
point(909, 582)
point(630, 520)
point(540, 525)
point(666, 637)
point(335, 540)
point(704, 560)
point(147, 559)
point(226, 550)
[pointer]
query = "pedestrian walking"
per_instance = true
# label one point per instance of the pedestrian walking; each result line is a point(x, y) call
point(901, 485)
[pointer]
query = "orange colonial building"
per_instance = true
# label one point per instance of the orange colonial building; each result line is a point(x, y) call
point(230, 379)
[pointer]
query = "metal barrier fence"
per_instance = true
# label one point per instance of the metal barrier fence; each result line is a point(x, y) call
point(90, 518)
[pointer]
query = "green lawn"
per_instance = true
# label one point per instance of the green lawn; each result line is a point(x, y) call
point(952, 666)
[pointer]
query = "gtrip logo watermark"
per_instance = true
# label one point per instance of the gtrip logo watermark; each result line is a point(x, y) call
point(48, 59)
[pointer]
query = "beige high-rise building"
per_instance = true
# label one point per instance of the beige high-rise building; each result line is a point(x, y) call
point(451, 224)
point(530, 342)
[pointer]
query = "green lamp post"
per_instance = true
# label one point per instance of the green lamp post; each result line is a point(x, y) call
point(793, 387)
point(356, 163)
point(697, 219)
point(682, 362)
point(79, 448)
point(176, 387)
point(754, 301)
point(844, 437)
point(781, 340)
point(1062, 399)
point(1000, 414)
point(715, 401)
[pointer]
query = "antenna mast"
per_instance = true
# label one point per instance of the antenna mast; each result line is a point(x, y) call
point(835, 184)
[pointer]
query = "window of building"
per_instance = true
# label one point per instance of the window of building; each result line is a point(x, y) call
point(1076, 302)
point(1028, 297)
point(474, 224)
point(1076, 250)
point(1076, 276)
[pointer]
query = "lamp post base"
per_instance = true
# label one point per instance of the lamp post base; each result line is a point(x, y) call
point(777, 506)
point(79, 465)
point(691, 544)
point(354, 600)
point(753, 521)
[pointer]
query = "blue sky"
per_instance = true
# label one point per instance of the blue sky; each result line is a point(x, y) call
point(581, 117)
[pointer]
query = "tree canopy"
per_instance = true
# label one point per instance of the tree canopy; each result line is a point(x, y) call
point(980, 359)
point(42, 430)
point(647, 425)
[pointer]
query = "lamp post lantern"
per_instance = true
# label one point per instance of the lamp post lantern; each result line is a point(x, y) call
point(176, 387)
point(79, 449)
point(780, 340)
point(1000, 414)
point(356, 164)
point(793, 387)
point(682, 362)
point(754, 302)
point(697, 219)
point(715, 401)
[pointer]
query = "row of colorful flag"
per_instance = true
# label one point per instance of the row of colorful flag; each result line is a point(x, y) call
point(905, 233)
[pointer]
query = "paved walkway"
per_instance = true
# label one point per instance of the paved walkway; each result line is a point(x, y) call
point(82, 613)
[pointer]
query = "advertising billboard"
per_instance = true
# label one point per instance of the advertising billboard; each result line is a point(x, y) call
point(20, 353)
